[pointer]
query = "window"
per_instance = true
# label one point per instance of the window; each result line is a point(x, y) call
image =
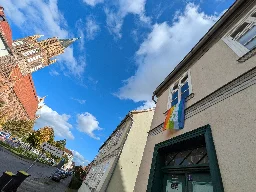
point(179, 90)
point(242, 38)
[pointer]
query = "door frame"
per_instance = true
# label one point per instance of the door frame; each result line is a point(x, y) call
point(156, 173)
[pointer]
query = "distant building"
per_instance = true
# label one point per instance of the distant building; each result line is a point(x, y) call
point(116, 166)
point(18, 59)
point(69, 154)
point(214, 150)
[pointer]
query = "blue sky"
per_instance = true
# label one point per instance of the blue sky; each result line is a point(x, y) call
point(125, 51)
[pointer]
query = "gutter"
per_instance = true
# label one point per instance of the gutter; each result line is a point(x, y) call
point(120, 152)
point(120, 124)
point(242, 4)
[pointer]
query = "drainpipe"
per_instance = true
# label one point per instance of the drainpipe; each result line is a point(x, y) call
point(153, 98)
point(112, 173)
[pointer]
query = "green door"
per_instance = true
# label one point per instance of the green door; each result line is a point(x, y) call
point(174, 183)
point(187, 182)
point(199, 182)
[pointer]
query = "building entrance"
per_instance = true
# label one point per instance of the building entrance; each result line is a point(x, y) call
point(188, 182)
point(187, 171)
point(186, 163)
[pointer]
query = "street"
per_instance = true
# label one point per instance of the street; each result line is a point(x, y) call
point(39, 180)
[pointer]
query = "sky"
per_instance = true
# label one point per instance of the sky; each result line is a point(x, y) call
point(127, 48)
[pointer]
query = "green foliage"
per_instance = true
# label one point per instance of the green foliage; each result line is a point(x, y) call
point(61, 144)
point(66, 158)
point(18, 127)
point(75, 183)
point(33, 140)
point(22, 153)
point(36, 138)
point(79, 172)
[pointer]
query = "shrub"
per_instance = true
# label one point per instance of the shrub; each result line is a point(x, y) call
point(75, 183)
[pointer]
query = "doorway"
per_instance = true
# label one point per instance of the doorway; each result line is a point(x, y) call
point(188, 182)
point(186, 163)
point(187, 171)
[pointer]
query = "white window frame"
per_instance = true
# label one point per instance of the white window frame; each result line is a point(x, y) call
point(237, 47)
point(171, 91)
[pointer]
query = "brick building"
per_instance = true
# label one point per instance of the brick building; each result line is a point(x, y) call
point(18, 59)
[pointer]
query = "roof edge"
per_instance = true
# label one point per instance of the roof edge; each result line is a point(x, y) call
point(128, 115)
point(202, 42)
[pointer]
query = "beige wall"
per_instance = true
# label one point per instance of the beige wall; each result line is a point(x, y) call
point(233, 127)
point(3, 50)
point(232, 120)
point(126, 171)
point(215, 68)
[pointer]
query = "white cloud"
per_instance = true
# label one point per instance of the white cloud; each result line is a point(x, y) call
point(80, 31)
point(87, 124)
point(92, 28)
point(59, 122)
point(43, 17)
point(122, 8)
point(92, 2)
point(147, 105)
point(79, 159)
point(81, 101)
point(163, 49)
point(54, 73)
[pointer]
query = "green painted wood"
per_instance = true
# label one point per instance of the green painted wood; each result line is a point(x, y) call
point(155, 181)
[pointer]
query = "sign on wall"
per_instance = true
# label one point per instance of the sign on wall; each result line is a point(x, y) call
point(51, 149)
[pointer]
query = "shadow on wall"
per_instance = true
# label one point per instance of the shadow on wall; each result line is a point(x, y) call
point(117, 181)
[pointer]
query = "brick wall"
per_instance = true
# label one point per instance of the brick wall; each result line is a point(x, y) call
point(25, 91)
point(6, 32)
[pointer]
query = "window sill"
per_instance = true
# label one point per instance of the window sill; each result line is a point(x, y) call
point(247, 56)
point(188, 98)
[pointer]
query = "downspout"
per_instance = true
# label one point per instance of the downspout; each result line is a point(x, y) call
point(112, 173)
point(153, 98)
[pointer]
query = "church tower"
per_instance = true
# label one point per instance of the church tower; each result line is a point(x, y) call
point(34, 54)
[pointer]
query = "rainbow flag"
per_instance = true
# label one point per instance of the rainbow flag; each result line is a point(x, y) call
point(175, 116)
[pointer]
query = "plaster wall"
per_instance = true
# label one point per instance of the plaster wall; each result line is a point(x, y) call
point(233, 125)
point(127, 168)
point(85, 188)
point(215, 68)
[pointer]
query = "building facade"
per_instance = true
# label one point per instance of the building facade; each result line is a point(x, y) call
point(215, 151)
point(116, 166)
point(18, 59)
point(69, 154)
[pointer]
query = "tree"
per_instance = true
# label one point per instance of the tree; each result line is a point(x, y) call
point(45, 134)
point(33, 139)
point(66, 158)
point(37, 138)
point(79, 172)
point(19, 127)
point(61, 144)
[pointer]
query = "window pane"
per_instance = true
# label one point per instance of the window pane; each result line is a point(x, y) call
point(202, 186)
point(169, 158)
point(184, 87)
point(180, 157)
point(173, 186)
point(175, 87)
point(174, 102)
point(184, 79)
point(248, 36)
point(185, 94)
point(174, 95)
point(239, 29)
point(197, 155)
point(205, 160)
point(251, 45)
